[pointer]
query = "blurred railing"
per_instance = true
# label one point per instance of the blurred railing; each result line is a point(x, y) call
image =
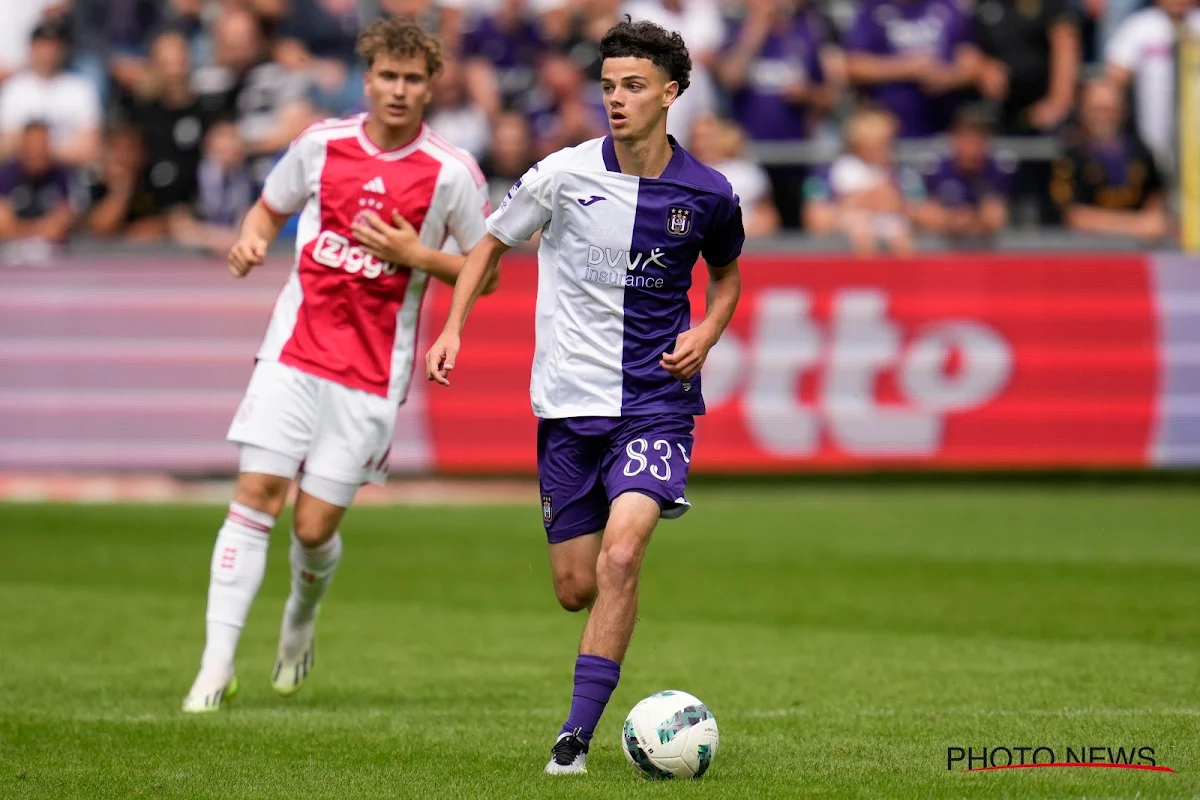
point(822, 151)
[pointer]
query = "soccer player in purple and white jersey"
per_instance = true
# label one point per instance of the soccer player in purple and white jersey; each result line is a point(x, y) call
point(616, 369)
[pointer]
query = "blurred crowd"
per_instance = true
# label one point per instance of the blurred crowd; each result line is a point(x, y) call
point(157, 120)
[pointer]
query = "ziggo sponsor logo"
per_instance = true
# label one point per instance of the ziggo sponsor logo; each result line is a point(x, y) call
point(336, 252)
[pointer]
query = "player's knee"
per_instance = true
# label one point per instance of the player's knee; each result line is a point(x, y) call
point(264, 493)
point(621, 563)
point(575, 592)
point(312, 531)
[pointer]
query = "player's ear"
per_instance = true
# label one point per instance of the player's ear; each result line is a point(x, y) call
point(670, 92)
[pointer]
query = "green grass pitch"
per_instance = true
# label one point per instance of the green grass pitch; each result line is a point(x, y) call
point(843, 636)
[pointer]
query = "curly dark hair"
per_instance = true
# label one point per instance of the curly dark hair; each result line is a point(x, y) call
point(400, 38)
point(644, 39)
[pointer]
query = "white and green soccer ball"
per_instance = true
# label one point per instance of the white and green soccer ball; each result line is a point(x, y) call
point(670, 734)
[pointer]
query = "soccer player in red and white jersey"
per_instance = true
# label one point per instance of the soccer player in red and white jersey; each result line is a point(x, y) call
point(378, 195)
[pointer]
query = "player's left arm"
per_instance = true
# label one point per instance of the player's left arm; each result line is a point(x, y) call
point(720, 248)
point(692, 346)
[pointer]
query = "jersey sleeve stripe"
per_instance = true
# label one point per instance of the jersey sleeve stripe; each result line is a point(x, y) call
point(476, 172)
point(495, 230)
point(328, 124)
point(267, 204)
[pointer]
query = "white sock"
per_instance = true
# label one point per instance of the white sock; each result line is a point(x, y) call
point(238, 564)
point(312, 572)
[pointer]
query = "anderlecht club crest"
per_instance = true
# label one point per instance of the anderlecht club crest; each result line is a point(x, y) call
point(547, 509)
point(679, 221)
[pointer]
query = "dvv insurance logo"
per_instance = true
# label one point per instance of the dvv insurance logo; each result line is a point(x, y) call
point(984, 759)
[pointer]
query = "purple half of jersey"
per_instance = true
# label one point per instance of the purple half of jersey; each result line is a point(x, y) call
point(687, 212)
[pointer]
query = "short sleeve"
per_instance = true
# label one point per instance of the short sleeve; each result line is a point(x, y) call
point(849, 175)
point(961, 29)
point(525, 209)
point(812, 55)
point(11, 116)
point(755, 184)
point(286, 189)
point(86, 105)
point(865, 35)
point(723, 241)
point(1125, 45)
point(466, 219)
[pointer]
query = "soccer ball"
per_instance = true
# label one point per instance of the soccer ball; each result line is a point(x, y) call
point(670, 734)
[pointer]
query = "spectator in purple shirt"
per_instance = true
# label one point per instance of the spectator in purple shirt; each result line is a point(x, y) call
point(561, 113)
point(771, 66)
point(501, 53)
point(35, 193)
point(966, 192)
point(914, 58)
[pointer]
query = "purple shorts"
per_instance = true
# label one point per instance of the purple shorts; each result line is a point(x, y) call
point(584, 463)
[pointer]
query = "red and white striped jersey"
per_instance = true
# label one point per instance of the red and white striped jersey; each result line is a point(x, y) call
point(343, 314)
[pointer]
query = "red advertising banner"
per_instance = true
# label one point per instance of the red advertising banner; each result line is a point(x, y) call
point(1021, 360)
point(830, 362)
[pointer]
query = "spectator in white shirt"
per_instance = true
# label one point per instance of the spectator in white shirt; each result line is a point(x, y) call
point(1142, 51)
point(66, 102)
point(721, 145)
point(863, 195)
point(454, 117)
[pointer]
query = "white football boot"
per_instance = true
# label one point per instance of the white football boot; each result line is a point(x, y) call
point(212, 691)
point(296, 656)
point(569, 755)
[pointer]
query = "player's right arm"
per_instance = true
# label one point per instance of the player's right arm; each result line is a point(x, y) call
point(259, 229)
point(524, 211)
point(482, 268)
point(285, 192)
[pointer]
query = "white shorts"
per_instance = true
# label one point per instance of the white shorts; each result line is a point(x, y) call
point(338, 433)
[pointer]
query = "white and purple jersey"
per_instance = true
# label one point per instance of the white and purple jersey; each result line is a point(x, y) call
point(614, 269)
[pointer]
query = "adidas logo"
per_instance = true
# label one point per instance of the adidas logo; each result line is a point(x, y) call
point(375, 185)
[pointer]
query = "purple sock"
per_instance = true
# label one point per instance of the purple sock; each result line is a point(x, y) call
point(595, 679)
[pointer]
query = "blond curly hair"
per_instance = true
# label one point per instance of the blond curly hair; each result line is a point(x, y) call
point(400, 38)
